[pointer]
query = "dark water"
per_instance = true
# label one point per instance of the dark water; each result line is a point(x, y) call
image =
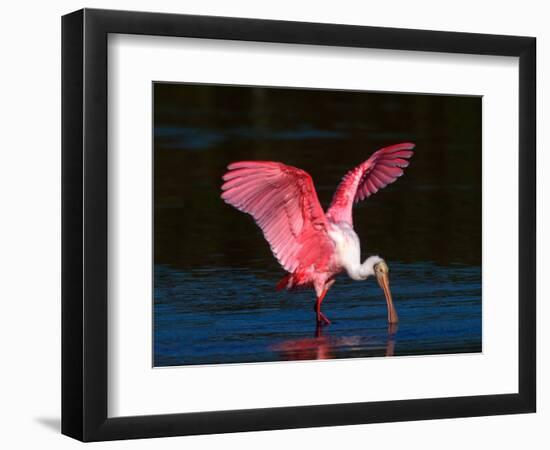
point(214, 297)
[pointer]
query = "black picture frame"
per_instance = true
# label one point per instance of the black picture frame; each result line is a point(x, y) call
point(84, 224)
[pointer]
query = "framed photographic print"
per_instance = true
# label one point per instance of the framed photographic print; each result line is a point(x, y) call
point(273, 224)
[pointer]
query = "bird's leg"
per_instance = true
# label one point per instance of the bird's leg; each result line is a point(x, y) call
point(321, 289)
point(321, 318)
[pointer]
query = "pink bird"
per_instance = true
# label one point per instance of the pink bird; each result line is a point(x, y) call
point(311, 245)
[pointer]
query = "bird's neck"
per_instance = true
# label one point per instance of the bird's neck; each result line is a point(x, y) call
point(360, 271)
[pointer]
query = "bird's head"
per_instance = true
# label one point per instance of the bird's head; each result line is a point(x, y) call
point(381, 271)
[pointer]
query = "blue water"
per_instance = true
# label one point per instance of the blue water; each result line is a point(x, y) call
point(227, 315)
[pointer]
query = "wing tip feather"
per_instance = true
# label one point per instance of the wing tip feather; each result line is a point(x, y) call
point(251, 164)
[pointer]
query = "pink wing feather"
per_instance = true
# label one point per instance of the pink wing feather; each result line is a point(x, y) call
point(381, 169)
point(283, 202)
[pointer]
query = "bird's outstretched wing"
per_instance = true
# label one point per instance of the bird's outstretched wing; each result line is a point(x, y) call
point(381, 169)
point(283, 202)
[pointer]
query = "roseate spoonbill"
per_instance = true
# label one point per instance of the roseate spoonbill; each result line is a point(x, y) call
point(313, 247)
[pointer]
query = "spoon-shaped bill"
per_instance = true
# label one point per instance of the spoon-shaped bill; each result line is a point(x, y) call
point(384, 282)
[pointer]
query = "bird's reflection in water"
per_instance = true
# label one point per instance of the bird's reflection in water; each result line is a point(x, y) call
point(324, 346)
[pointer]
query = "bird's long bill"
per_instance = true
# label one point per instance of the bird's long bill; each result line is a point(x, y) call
point(384, 282)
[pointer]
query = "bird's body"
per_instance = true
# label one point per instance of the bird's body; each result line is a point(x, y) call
point(311, 245)
point(345, 255)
